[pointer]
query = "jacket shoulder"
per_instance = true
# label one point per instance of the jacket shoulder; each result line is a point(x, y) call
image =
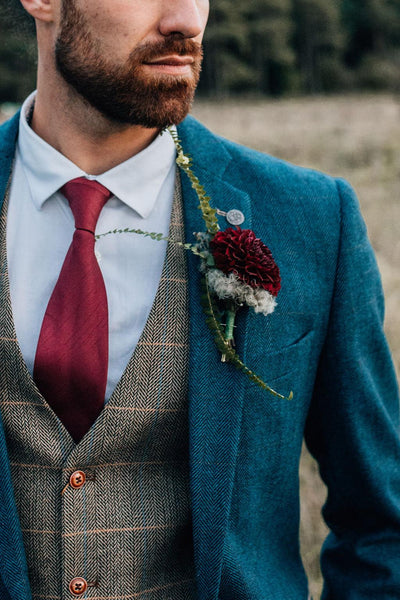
point(261, 175)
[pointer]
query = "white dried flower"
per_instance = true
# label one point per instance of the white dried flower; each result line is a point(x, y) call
point(232, 288)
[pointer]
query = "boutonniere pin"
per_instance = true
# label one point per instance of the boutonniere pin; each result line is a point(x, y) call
point(237, 270)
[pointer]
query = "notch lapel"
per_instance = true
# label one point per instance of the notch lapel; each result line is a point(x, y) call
point(216, 389)
point(13, 568)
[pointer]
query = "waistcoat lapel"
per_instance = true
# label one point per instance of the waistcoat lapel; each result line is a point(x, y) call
point(216, 389)
point(13, 568)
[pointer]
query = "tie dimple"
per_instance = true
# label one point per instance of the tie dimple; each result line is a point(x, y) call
point(86, 199)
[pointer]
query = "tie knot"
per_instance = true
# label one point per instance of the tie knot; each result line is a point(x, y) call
point(86, 199)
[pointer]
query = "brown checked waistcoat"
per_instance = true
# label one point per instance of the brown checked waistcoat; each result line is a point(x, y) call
point(127, 529)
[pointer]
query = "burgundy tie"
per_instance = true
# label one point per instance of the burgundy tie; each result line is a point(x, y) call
point(72, 353)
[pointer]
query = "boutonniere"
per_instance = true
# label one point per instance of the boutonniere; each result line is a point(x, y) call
point(237, 270)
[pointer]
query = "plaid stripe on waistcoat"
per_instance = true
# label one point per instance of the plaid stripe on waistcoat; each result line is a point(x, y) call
point(127, 531)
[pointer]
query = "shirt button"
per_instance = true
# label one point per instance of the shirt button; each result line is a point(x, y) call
point(77, 480)
point(78, 586)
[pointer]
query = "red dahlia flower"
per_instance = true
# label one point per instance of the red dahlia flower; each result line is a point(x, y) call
point(240, 252)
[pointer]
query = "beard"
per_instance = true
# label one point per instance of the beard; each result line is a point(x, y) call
point(125, 93)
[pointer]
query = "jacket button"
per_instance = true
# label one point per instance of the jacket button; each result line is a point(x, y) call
point(77, 479)
point(78, 586)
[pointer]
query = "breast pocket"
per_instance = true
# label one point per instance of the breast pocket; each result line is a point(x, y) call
point(272, 427)
point(293, 363)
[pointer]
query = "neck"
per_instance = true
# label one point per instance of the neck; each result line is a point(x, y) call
point(79, 132)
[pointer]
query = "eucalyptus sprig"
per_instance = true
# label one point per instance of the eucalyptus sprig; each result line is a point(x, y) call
point(158, 237)
point(185, 162)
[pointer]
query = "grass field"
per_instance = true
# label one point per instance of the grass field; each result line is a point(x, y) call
point(353, 137)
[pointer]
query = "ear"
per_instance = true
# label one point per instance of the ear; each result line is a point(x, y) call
point(42, 10)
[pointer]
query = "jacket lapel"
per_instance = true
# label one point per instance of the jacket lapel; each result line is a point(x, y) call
point(13, 568)
point(216, 389)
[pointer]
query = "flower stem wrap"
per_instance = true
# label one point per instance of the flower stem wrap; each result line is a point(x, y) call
point(230, 324)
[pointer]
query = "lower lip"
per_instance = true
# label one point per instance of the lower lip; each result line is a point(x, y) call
point(170, 69)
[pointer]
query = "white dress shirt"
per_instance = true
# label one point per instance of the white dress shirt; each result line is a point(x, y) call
point(40, 227)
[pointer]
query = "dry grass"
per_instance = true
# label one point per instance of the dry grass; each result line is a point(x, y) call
point(353, 137)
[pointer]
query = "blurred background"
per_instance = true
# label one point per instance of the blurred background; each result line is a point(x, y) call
point(316, 82)
point(268, 47)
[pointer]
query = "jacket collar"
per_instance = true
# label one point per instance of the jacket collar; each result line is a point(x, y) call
point(215, 389)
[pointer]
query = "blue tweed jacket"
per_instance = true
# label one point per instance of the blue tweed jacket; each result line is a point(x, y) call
point(325, 342)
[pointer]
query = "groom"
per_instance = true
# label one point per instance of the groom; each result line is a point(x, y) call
point(134, 462)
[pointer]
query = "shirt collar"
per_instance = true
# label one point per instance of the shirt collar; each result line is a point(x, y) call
point(136, 182)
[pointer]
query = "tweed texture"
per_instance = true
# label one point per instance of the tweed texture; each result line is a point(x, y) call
point(127, 531)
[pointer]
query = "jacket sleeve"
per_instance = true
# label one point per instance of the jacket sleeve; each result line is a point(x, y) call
point(353, 427)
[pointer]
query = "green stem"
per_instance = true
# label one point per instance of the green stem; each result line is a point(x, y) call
point(230, 324)
point(224, 346)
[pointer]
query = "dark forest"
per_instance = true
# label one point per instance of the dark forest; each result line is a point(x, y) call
point(260, 47)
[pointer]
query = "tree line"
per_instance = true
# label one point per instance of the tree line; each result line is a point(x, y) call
point(270, 47)
point(302, 46)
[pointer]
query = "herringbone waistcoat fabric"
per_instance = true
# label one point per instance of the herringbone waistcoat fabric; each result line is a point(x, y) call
point(127, 530)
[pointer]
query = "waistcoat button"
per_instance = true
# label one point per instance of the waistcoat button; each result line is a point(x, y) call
point(77, 479)
point(78, 586)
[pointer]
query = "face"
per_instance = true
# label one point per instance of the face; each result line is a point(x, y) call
point(136, 61)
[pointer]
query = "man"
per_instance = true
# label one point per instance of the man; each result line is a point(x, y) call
point(185, 484)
